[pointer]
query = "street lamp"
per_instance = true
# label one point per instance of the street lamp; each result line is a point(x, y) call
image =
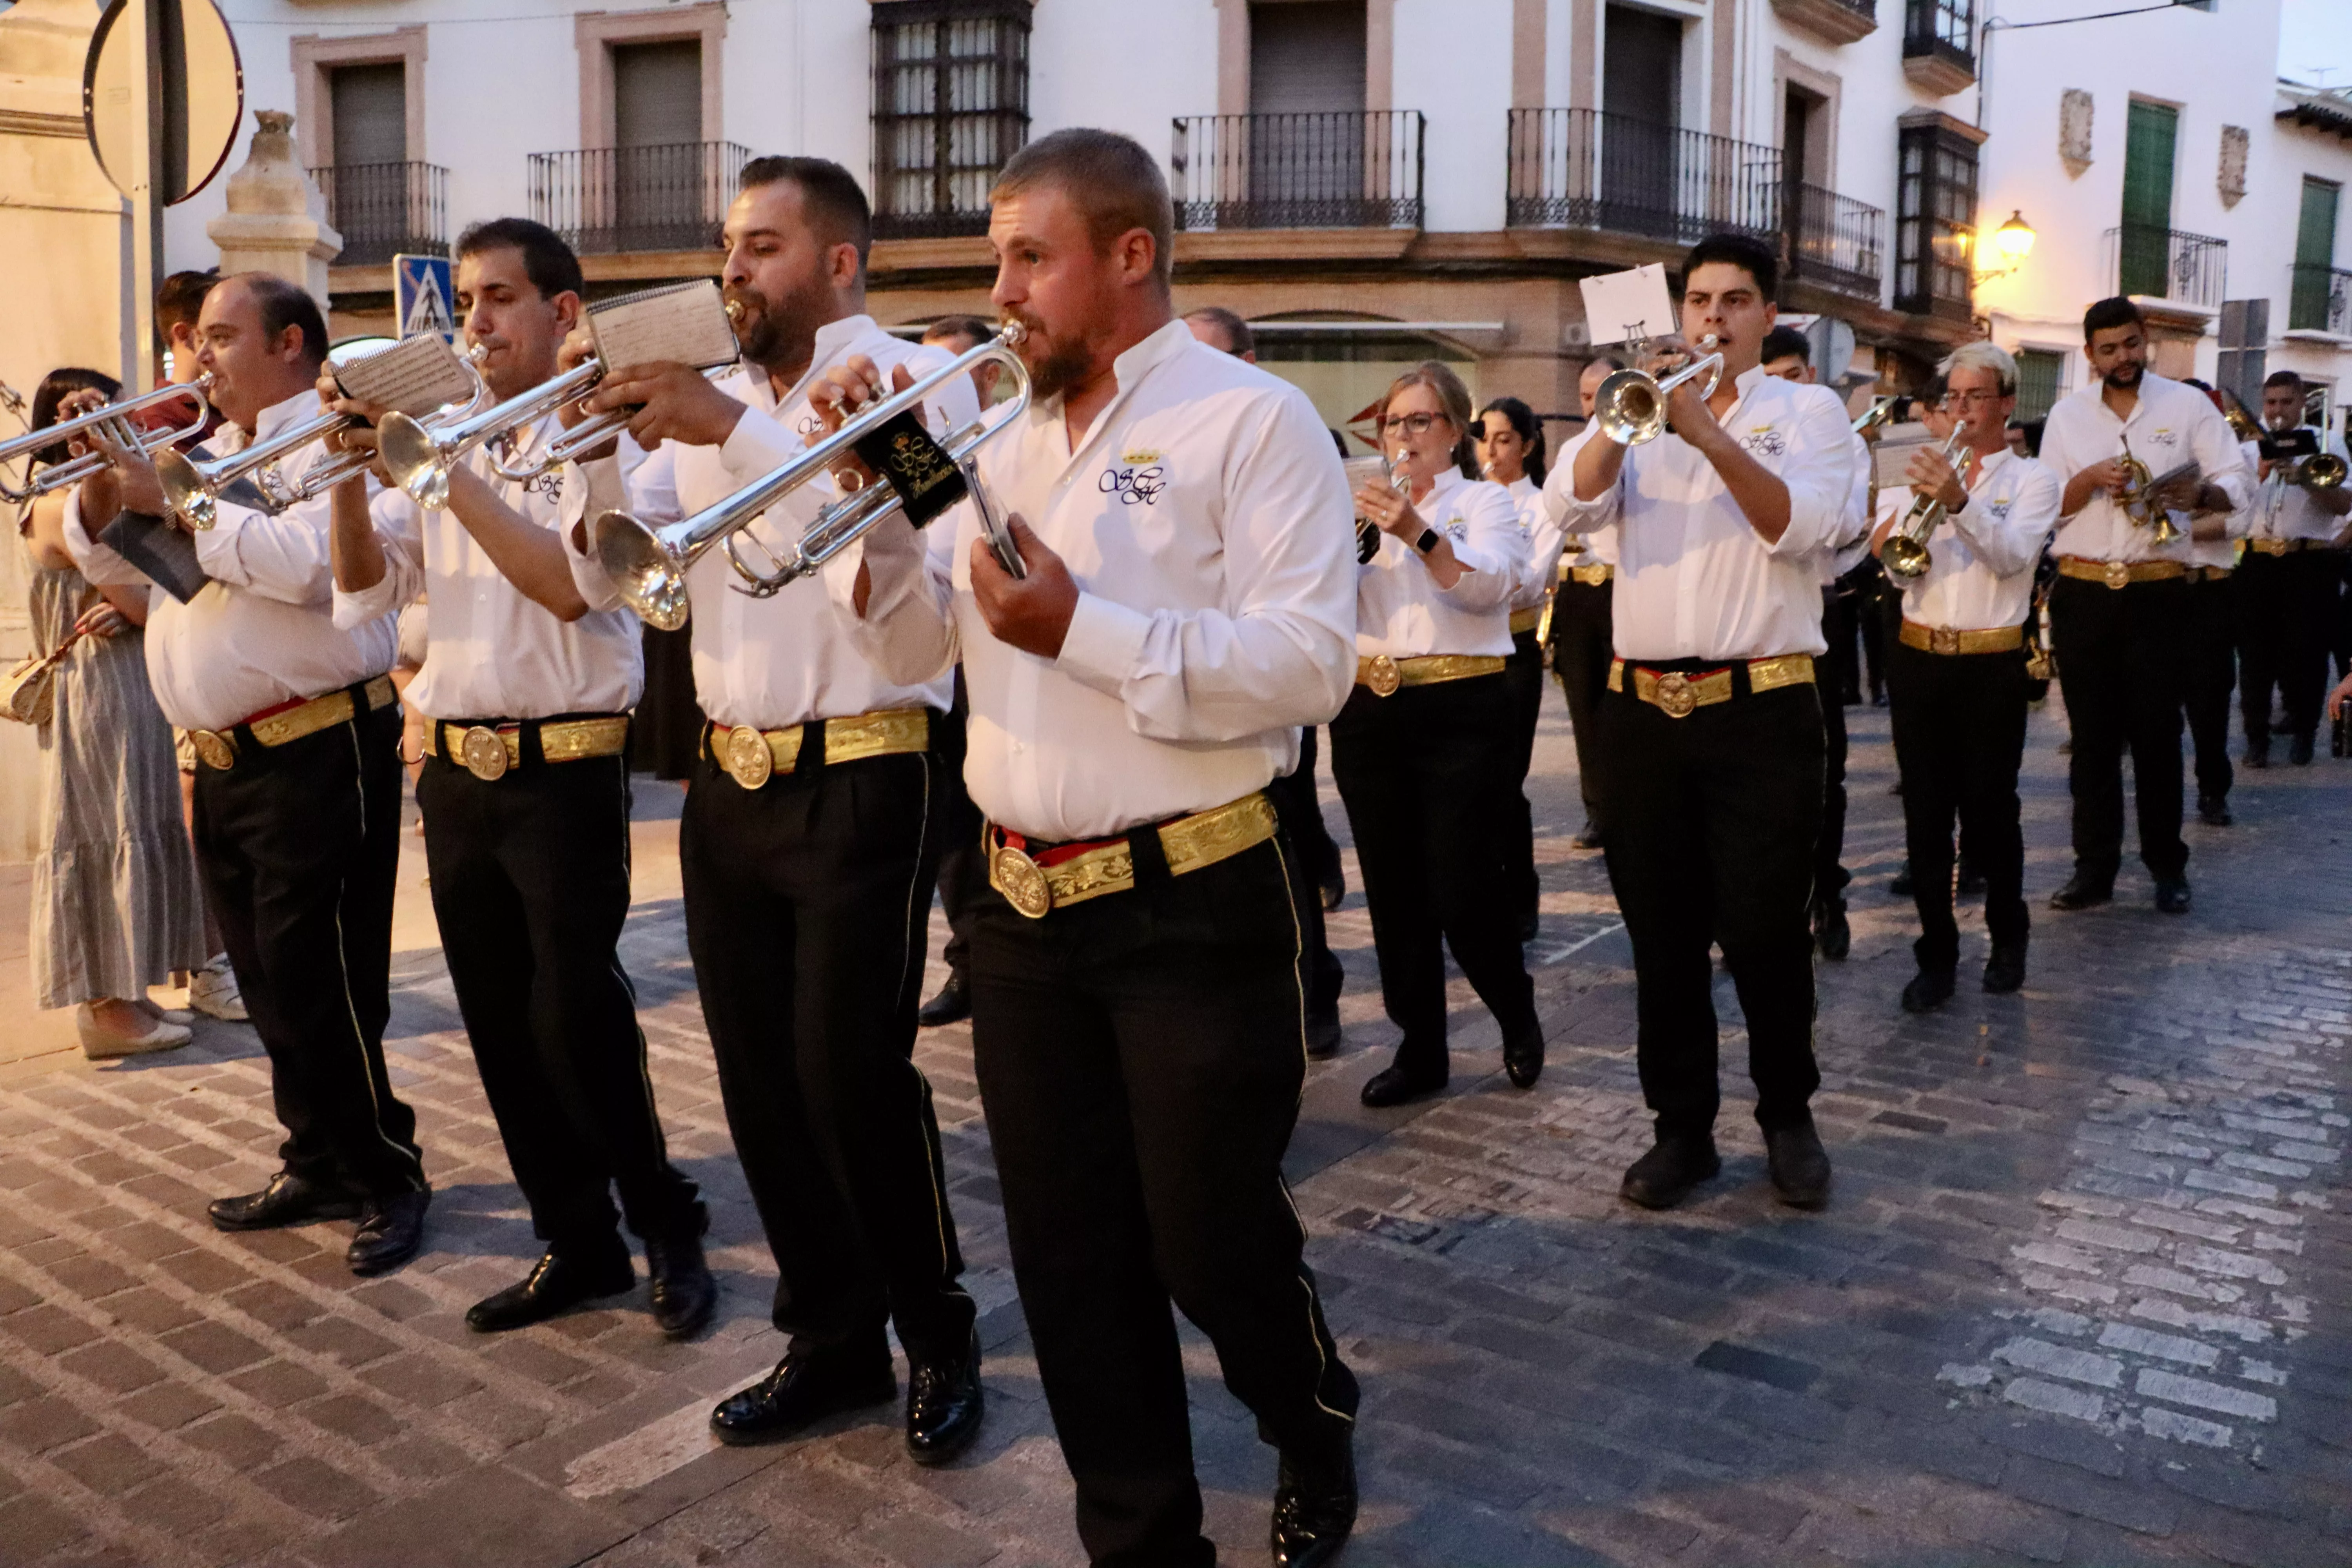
point(2013, 242)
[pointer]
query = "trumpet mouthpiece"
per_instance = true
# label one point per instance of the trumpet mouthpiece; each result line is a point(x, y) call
point(736, 313)
point(1010, 331)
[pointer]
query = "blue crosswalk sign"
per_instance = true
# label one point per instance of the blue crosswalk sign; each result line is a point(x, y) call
point(421, 297)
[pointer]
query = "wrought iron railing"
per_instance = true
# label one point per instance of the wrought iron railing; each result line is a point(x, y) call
point(1944, 27)
point(1836, 240)
point(1581, 168)
point(2166, 264)
point(1337, 169)
point(2319, 299)
point(607, 199)
point(384, 210)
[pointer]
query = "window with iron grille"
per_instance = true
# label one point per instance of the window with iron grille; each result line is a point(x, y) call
point(1935, 224)
point(951, 105)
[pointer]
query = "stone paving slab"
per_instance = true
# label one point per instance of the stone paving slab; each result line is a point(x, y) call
point(2084, 1294)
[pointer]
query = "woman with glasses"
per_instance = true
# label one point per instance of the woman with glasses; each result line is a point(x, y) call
point(1509, 448)
point(1422, 750)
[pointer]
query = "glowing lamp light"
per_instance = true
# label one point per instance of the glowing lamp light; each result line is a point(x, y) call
point(2013, 242)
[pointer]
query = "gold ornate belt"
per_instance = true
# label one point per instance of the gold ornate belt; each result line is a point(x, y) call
point(1950, 639)
point(2208, 573)
point(752, 756)
point(489, 750)
point(1527, 620)
point(1037, 880)
point(2283, 546)
point(1385, 676)
point(290, 722)
point(1592, 576)
point(1677, 695)
point(2119, 573)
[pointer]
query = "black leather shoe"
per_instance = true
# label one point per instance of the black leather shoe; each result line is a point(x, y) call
point(943, 1406)
point(554, 1285)
point(1832, 937)
point(1675, 1164)
point(1901, 886)
point(2082, 891)
point(805, 1388)
point(1523, 1058)
point(951, 1006)
point(2172, 895)
point(1799, 1164)
point(2299, 749)
point(2258, 753)
point(391, 1230)
point(2004, 971)
point(1970, 883)
point(2212, 811)
point(289, 1199)
point(1323, 1036)
point(1314, 1508)
point(1331, 891)
point(1395, 1085)
point(1930, 989)
point(684, 1295)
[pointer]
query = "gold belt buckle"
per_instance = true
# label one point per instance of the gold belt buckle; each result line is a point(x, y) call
point(2118, 574)
point(1675, 698)
point(218, 750)
point(1943, 639)
point(484, 755)
point(1385, 676)
point(1021, 881)
point(744, 754)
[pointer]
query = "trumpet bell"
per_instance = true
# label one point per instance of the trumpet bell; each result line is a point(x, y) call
point(1628, 408)
point(1904, 557)
point(2322, 472)
point(414, 460)
point(184, 490)
point(645, 570)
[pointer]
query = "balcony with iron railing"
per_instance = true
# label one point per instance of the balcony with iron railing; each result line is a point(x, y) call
point(2319, 299)
point(607, 199)
point(1835, 240)
point(1838, 21)
point(1939, 45)
point(384, 210)
point(1583, 168)
point(2168, 264)
point(1335, 169)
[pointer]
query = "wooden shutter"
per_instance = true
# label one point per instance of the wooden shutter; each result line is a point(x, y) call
point(658, 93)
point(1307, 56)
point(370, 104)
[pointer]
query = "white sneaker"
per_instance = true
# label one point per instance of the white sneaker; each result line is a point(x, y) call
point(100, 1043)
point(212, 990)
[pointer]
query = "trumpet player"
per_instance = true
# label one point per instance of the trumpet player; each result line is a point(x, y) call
point(1955, 674)
point(2121, 605)
point(1713, 724)
point(525, 691)
point(297, 784)
point(2287, 582)
point(1580, 630)
point(809, 848)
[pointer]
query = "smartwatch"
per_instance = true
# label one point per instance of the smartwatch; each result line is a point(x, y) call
point(1427, 541)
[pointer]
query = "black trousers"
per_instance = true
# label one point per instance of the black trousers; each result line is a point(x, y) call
point(1582, 642)
point(1319, 853)
point(1959, 733)
point(530, 886)
point(1302, 815)
point(2286, 611)
point(806, 904)
point(1830, 875)
point(1712, 819)
point(300, 847)
point(2124, 658)
point(1141, 1058)
point(963, 872)
point(1424, 775)
point(2211, 675)
point(1522, 673)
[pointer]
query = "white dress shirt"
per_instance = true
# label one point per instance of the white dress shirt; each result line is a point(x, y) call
point(1542, 540)
point(781, 660)
point(2170, 423)
point(1579, 546)
point(2223, 552)
point(1205, 519)
point(2283, 511)
point(1695, 580)
point(1980, 577)
point(490, 651)
point(263, 631)
point(1400, 609)
point(1853, 529)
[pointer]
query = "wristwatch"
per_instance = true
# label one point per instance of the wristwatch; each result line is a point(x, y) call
point(1427, 541)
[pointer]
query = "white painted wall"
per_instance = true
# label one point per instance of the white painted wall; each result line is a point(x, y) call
point(1453, 63)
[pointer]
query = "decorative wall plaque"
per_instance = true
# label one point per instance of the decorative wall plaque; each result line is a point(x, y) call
point(2234, 141)
point(2075, 129)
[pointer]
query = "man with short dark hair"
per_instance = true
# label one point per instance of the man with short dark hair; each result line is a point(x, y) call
point(2288, 581)
point(1224, 331)
point(178, 305)
point(298, 784)
point(2121, 605)
point(1713, 722)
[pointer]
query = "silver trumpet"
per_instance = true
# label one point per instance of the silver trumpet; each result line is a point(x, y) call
point(1905, 554)
point(1631, 406)
point(116, 417)
point(648, 566)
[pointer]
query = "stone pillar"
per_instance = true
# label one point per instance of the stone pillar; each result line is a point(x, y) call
point(276, 221)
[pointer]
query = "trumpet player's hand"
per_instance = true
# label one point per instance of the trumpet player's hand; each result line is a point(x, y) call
point(1390, 512)
point(2335, 699)
point(673, 402)
point(837, 396)
point(1033, 613)
point(2108, 475)
point(1929, 475)
point(136, 487)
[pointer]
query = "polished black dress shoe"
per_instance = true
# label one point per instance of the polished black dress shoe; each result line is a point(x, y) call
point(943, 1406)
point(1395, 1086)
point(805, 1388)
point(2212, 811)
point(1332, 890)
point(1799, 1164)
point(2004, 971)
point(391, 1230)
point(1930, 989)
point(2172, 895)
point(2299, 749)
point(1323, 1036)
point(1674, 1164)
point(1523, 1058)
point(951, 1006)
point(2083, 890)
point(1832, 936)
point(1314, 1508)
point(556, 1284)
point(684, 1295)
point(289, 1199)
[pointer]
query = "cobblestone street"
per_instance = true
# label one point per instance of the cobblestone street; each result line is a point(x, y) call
point(2084, 1293)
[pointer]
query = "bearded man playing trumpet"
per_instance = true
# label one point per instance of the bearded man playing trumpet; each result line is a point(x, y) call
point(1956, 673)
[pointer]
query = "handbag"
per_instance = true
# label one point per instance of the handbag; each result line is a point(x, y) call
point(29, 694)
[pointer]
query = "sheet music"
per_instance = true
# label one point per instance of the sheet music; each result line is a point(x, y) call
point(1621, 307)
point(414, 375)
point(685, 323)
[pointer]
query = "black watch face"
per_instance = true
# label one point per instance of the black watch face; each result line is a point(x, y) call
point(1427, 541)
